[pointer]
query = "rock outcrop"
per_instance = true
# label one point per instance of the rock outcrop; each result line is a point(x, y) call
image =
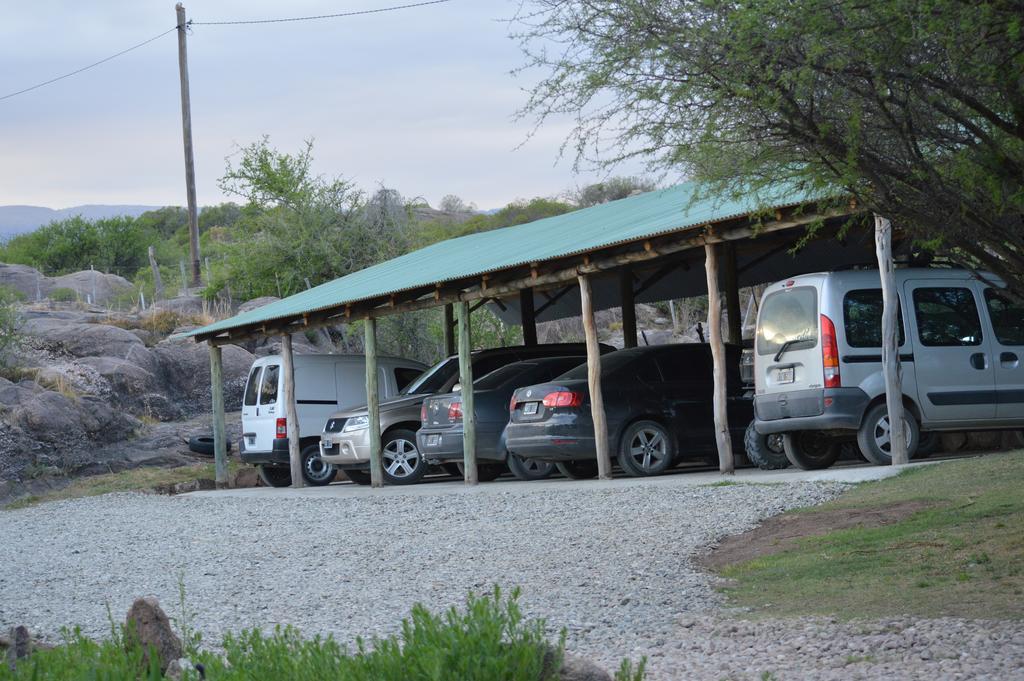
point(89, 285)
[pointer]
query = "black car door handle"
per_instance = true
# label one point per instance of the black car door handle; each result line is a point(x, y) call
point(1008, 359)
point(978, 360)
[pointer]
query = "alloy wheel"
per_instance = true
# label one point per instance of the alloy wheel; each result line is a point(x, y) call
point(400, 458)
point(648, 448)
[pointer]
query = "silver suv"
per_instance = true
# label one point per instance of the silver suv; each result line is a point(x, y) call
point(818, 360)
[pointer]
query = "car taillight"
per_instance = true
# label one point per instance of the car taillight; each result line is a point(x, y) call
point(423, 413)
point(830, 353)
point(563, 398)
point(282, 428)
point(455, 411)
point(512, 404)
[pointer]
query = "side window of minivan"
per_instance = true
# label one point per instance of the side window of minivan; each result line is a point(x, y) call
point(252, 387)
point(1007, 318)
point(268, 388)
point(946, 317)
point(862, 318)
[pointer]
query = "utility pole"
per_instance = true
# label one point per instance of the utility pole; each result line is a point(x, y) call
point(186, 131)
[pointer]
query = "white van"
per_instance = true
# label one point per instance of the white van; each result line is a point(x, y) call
point(323, 385)
point(818, 360)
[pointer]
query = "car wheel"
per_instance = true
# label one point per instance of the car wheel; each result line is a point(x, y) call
point(529, 469)
point(577, 470)
point(485, 472)
point(360, 477)
point(873, 436)
point(810, 449)
point(645, 449)
point(275, 476)
point(315, 471)
point(765, 451)
point(403, 464)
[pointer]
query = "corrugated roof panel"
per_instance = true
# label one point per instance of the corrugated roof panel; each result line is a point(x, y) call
point(630, 219)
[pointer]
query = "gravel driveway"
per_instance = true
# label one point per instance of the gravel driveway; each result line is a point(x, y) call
point(609, 563)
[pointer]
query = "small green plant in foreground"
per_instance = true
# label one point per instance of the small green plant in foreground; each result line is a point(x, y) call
point(488, 640)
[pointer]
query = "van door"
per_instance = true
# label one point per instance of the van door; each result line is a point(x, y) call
point(351, 380)
point(267, 408)
point(952, 355)
point(249, 407)
point(1007, 323)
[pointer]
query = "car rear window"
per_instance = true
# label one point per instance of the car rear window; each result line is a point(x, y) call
point(252, 387)
point(268, 387)
point(788, 316)
point(610, 363)
point(862, 318)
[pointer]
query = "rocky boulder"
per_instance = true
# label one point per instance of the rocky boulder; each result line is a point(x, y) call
point(26, 280)
point(256, 303)
point(85, 340)
point(148, 625)
point(97, 287)
point(185, 372)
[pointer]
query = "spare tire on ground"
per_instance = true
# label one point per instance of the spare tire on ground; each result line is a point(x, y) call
point(203, 444)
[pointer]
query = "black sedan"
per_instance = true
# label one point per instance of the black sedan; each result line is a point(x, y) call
point(658, 406)
point(440, 436)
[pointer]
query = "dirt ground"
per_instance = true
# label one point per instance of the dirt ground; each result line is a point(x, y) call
point(782, 532)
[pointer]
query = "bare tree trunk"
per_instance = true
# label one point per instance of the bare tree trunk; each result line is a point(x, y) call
point(466, 393)
point(290, 411)
point(722, 436)
point(604, 464)
point(890, 342)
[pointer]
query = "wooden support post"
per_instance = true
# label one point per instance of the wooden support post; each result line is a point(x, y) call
point(722, 436)
point(604, 463)
point(220, 445)
point(449, 330)
point(528, 316)
point(466, 392)
point(890, 342)
point(373, 403)
point(290, 411)
point(628, 308)
point(730, 282)
point(186, 131)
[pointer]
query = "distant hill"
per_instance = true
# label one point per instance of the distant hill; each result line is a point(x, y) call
point(19, 219)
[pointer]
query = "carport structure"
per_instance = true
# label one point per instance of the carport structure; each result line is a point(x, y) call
point(660, 245)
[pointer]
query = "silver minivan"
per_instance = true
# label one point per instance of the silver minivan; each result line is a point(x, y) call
point(818, 360)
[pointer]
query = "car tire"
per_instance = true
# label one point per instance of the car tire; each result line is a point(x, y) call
point(203, 444)
point(927, 444)
point(403, 463)
point(485, 472)
point(810, 450)
point(577, 470)
point(765, 451)
point(529, 469)
point(873, 435)
point(358, 476)
point(315, 471)
point(275, 476)
point(645, 449)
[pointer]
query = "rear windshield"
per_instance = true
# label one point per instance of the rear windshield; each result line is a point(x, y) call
point(499, 377)
point(433, 379)
point(252, 387)
point(788, 316)
point(610, 363)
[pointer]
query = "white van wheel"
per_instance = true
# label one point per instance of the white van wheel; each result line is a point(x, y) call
point(767, 452)
point(315, 471)
point(403, 464)
point(873, 436)
point(810, 449)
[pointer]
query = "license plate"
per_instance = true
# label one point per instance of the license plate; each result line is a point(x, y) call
point(787, 375)
point(433, 440)
point(530, 408)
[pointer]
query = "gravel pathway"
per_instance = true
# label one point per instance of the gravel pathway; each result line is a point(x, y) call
point(612, 565)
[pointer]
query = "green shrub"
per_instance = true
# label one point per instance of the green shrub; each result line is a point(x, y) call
point(63, 294)
point(9, 294)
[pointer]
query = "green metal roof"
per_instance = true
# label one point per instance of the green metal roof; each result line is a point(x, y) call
point(626, 220)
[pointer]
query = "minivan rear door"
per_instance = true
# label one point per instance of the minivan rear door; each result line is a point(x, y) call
point(788, 355)
point(249, 407)
point(952, 355)
point(267, 409)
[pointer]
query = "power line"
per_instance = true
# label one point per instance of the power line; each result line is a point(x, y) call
point(319, 16)
point(86, 68)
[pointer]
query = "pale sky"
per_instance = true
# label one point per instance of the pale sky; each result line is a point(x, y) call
point(421, 100)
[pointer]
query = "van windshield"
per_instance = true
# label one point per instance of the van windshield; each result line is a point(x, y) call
point(788, 318)
point(433, 379)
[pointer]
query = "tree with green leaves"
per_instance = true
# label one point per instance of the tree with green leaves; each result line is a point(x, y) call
point(916, 108)
point(612, 189)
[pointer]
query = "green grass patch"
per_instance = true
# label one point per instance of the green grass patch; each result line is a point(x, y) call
point(961, 555)
point(134, 480)
point(488, 640)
